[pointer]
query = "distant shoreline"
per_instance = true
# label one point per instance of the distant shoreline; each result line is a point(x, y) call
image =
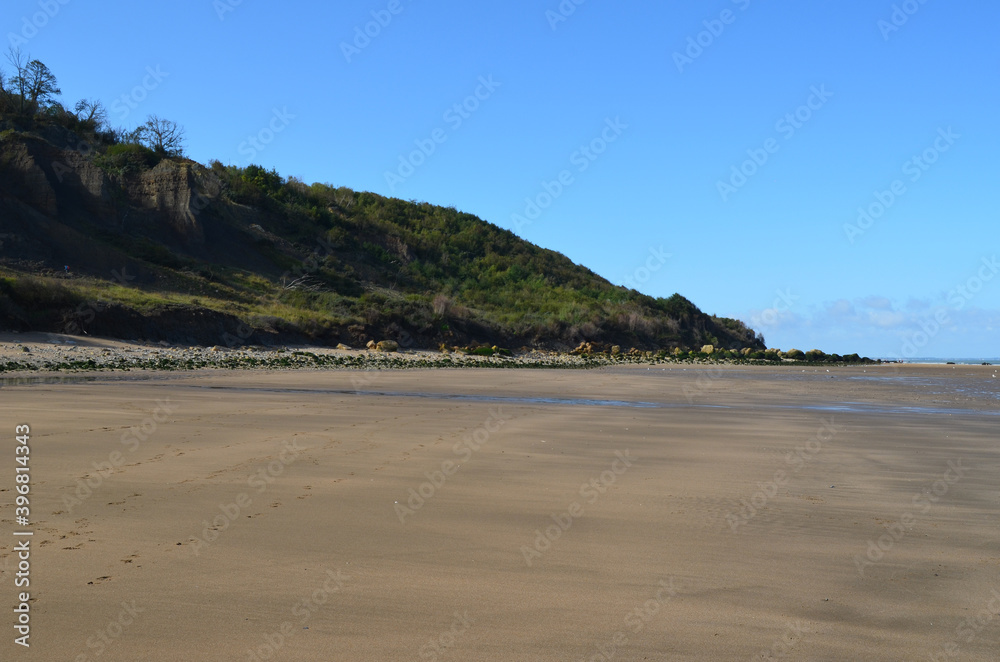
point(937, 361)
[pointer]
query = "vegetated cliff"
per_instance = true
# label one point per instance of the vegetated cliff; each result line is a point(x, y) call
point(165, 249)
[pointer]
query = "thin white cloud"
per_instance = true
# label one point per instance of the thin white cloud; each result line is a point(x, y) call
point(878, 326)
point(877, 303)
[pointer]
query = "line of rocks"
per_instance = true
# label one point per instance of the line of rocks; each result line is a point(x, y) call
point(68, 356)
point(61, 357)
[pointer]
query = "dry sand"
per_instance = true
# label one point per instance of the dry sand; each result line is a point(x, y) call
point(738, 514)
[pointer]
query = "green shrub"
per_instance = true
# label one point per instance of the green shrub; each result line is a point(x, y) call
point(126, 158)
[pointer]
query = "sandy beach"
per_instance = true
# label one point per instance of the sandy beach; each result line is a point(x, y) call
point(633, 513)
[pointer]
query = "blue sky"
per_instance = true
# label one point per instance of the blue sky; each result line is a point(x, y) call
point(718, 149)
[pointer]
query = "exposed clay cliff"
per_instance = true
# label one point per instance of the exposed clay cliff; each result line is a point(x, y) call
point(125, 242)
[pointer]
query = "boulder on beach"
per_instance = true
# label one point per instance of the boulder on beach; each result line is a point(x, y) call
point(586, 347)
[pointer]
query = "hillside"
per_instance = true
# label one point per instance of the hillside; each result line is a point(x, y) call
point(160, 248)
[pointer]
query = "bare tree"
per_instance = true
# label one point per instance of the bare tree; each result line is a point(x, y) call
point(128, 137)
point(306, 283)
point(92, 112)
point(17, 91)
point(32, 87)
point(165, 137)
point(6, 101)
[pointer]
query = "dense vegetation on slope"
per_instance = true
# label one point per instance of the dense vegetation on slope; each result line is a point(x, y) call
point(161, 248)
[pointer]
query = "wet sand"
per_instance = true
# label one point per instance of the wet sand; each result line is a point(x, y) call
point(613, 514)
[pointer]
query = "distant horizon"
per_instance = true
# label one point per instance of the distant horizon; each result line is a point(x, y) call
point(958, 361)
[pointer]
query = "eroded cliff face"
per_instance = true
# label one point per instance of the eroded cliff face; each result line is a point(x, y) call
point(63, 183)
point(177, 192)
point(23, 177)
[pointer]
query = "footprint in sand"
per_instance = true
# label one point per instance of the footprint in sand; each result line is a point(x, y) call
point(119, 503)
